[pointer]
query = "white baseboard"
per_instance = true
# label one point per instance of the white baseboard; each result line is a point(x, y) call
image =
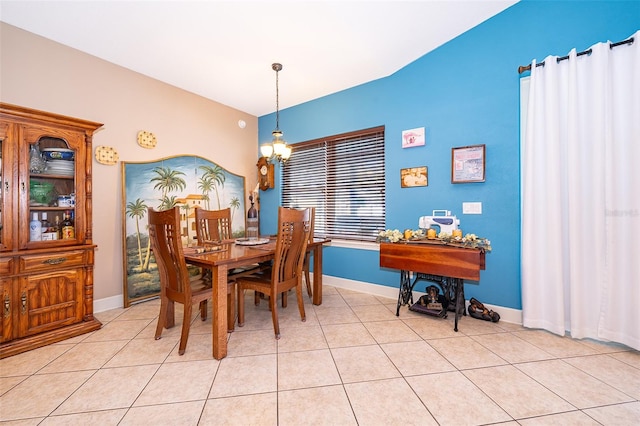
point(506, 314)
point(108, 303)
point(361, 286)
point(511, 315)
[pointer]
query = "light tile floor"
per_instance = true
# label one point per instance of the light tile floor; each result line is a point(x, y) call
point(353, 362)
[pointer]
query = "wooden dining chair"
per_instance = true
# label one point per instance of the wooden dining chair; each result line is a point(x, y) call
point(175, 284)
point(213, 225)
point(286, 273)
point(306, 266)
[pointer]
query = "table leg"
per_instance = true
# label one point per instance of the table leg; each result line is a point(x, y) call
point(459, 285)
point(219, 317)
point(405, 293)
point(317, 275)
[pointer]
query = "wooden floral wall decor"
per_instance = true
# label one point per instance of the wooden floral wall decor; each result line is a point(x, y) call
point(147, 139)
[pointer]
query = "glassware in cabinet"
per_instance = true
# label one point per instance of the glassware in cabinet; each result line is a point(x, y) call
point(52, 189)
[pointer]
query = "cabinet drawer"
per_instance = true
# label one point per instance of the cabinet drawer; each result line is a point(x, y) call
point(48, 261)
point(6, 267)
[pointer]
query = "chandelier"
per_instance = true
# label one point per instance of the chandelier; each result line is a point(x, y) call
point(277, 149)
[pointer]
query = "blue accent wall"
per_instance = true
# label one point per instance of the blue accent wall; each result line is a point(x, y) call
point(466, 92)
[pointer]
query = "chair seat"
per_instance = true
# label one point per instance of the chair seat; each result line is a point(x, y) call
point(248, 270)
point(233, 273)
point(258, 279)
point(199, 286)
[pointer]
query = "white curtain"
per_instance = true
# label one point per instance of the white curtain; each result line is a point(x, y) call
point(581, 195)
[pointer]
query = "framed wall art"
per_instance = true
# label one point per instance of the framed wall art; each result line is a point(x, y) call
point(413, 137)
point(190, 182)
point(413, 176)
point(467, 164)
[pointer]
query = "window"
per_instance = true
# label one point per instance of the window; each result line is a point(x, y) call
point(343, 177)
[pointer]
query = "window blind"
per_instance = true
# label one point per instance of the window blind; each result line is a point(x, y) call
point(343, 177)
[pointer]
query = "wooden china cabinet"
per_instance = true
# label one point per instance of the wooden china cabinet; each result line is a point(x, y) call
point(46, 283)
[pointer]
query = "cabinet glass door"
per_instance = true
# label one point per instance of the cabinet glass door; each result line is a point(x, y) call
point(5, 191)
point(52, 194)
point(2, 194)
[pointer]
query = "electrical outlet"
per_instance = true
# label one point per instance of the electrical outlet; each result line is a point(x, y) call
point(472, 208)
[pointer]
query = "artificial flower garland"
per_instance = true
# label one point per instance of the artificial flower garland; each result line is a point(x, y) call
point(469, 240)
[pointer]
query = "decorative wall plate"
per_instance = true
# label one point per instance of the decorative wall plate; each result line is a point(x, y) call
point(147, 139)
point(106, 155)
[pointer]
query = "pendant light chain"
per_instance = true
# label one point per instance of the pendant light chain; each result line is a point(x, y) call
point(277, 101)
point(277, 68)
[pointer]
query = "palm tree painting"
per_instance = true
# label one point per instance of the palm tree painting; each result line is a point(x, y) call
point(235, 205)
point(215, 177)
point(137, 209)
point(189, 182)
point(167, 181)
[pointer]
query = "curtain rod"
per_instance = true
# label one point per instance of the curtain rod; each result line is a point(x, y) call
point(523, 68)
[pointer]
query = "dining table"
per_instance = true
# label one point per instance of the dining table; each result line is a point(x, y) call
point(222, 257)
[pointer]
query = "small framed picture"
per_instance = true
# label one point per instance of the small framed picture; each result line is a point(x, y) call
point(414, 176)
point(467, 164)
point(413, 137)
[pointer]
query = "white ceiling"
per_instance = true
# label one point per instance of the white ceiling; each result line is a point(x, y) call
point(223, 50)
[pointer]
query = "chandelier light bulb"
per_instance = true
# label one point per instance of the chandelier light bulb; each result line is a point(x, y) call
point(266, 150)
point(286, 153)
point(279, 147)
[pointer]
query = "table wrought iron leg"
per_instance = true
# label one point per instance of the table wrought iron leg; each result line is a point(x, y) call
point(459, 283)
point(405, 293)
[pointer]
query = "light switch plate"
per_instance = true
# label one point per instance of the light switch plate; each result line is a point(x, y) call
point(472, 208)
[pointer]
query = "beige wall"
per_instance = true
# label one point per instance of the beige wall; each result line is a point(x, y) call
point(41, 74)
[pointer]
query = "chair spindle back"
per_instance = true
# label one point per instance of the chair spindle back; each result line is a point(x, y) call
point(213, 225)
point(166, 244)
point(291, 244)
